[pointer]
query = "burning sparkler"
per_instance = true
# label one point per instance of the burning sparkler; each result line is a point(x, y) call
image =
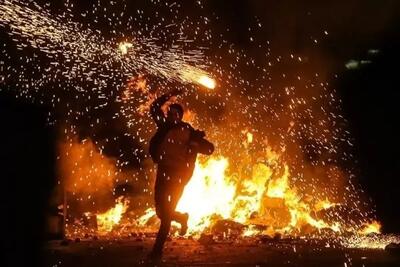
point(49, 34)
point(206, 81)
point(124, 46)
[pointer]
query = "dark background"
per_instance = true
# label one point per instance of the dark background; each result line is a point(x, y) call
point(371, 102)
point(27, 162)
point(370, 97)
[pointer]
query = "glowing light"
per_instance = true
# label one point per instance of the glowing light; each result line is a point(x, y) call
point(149, 213)
point(214, 194)
point(209, 192)
point(249, 137)
point(371, 228)
point(207, 82)
point(124, 46)
point(107, 220)
point(196, 75)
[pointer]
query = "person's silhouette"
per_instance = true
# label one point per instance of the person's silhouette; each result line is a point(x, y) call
point(174, 149)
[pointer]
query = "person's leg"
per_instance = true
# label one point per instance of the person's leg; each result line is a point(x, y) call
point(181, 218)
point(167, 195)
point(163, 211)
point(161, 237)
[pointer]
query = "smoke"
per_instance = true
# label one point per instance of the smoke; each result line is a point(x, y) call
point(88, 176)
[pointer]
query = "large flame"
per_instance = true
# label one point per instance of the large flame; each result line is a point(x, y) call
point(209, 192)
point(264, 197)
point(108, 220)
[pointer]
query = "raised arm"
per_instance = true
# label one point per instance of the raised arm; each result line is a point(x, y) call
point(155, 109)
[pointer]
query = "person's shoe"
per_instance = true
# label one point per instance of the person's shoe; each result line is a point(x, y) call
point(184, 224)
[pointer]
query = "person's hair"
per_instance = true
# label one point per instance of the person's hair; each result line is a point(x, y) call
point(178, 107)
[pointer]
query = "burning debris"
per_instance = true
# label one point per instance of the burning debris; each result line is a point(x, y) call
point(223, 206)
point(108, 220)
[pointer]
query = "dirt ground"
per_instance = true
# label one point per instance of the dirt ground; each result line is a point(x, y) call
point(132, 251)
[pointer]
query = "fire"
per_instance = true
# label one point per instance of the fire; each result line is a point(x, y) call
point(123, 47)
point(209, 192)
point(108, 220)
point(206, 81)
point(371, 228)
point(324, 205)
point(264, 197)
point(149, 213)
point(279, 187)
point(195, 75)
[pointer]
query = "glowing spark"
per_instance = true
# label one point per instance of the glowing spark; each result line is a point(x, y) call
point(124, 46)
point(207, 82)
point(249, 137)
point(196, 75)
point(375, 241)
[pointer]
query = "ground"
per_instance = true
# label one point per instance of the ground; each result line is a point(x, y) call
point(132, 251)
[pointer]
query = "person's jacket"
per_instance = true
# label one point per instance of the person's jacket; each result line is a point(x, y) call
point(175, 145)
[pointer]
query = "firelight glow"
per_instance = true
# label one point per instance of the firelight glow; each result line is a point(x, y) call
point(107, 220)
point(124, 46)
point(207, 82)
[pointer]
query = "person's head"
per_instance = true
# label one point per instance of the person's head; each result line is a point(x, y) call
point(175, 113)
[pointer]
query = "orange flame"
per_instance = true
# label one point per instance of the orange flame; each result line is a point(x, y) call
point(149, 213)
point(209, 192)
point(195, 75)
point(108, 220)
point(214, 193)
point(206, 81)
point(371, 228)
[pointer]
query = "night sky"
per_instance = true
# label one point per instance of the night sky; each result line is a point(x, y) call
point(370, 97)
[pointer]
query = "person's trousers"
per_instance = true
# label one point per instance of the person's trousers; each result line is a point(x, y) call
point(167, 195)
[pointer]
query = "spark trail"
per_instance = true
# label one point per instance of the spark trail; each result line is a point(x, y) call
point(65, 42)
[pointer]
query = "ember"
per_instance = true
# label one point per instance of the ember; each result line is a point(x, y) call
point(124, 46)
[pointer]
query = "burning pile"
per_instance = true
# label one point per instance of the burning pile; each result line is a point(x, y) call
point(265, 198)
point(261, 201)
